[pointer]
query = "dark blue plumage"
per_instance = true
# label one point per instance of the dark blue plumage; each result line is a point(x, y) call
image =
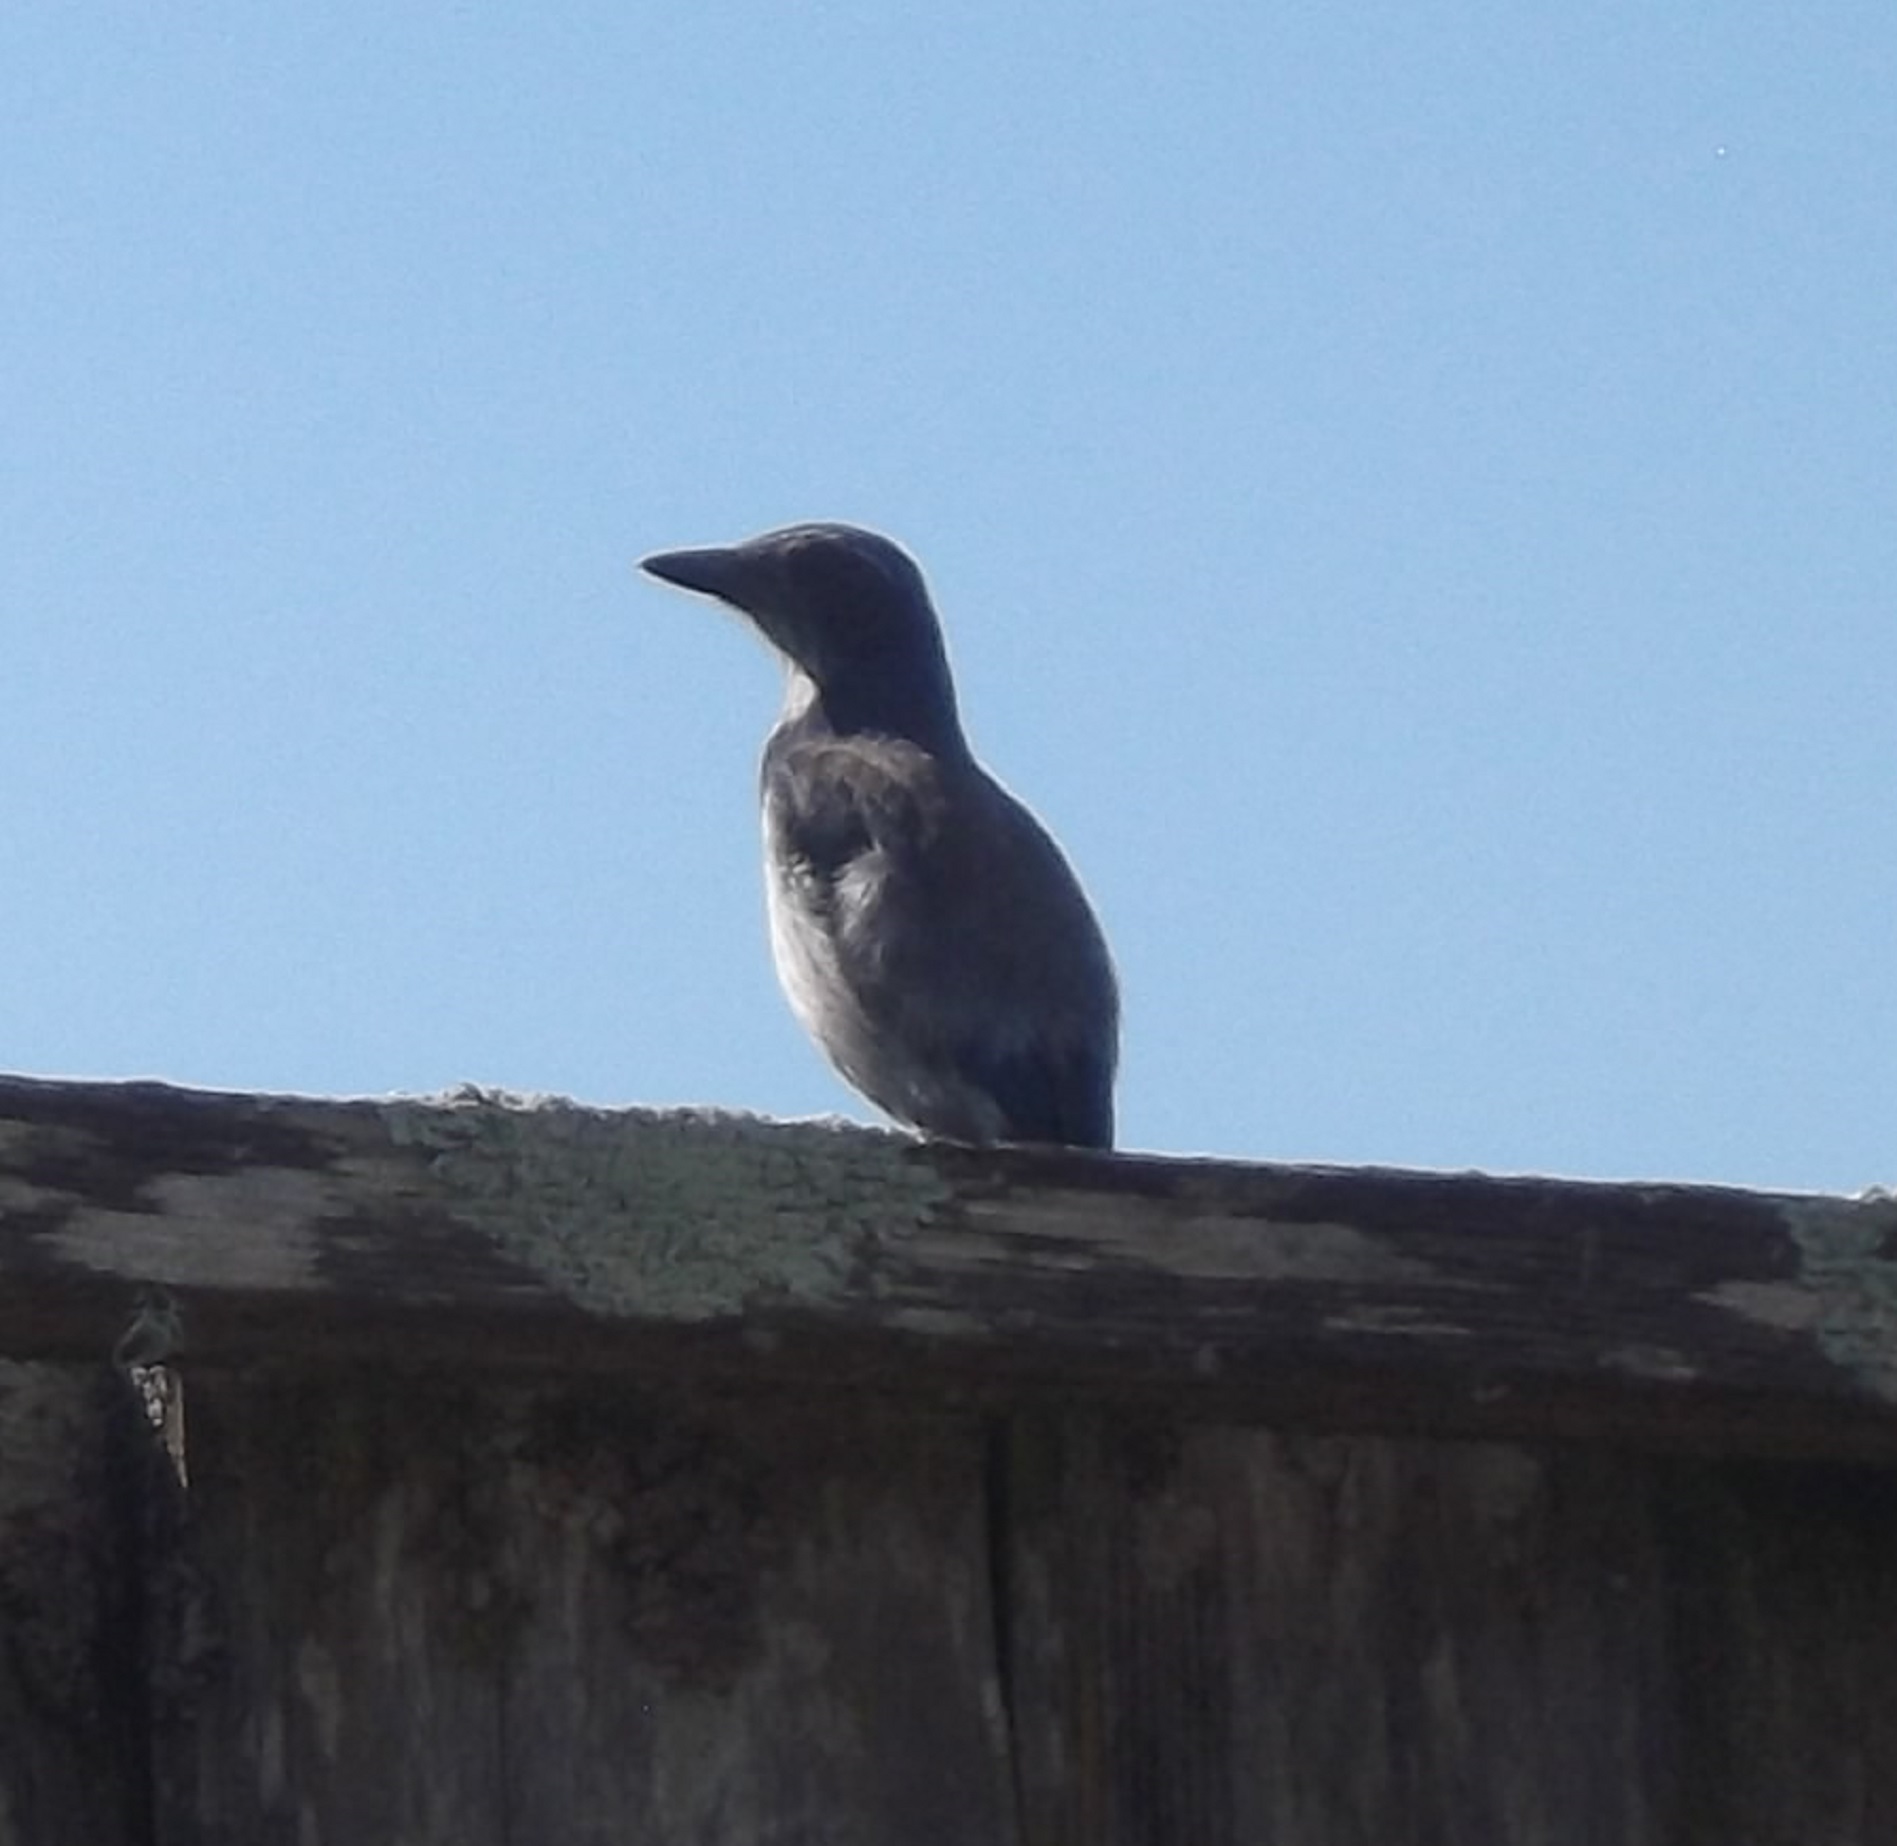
point(927, 931)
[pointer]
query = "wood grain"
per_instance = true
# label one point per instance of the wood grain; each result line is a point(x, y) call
point(477, 1228)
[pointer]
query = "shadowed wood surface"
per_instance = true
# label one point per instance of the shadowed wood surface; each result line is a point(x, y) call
point(539, 1473)
point(303, 1232)
point(441, 1613)
point(1229, 1636)
point(496, 1615)
point(74, 1704)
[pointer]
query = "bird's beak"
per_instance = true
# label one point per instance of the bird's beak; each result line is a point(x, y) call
point(716, 571)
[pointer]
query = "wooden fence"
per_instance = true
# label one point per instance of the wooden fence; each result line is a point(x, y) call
point(487, 1470)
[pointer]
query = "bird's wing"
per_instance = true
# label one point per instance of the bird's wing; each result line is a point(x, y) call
point(830, 803)
point(1057, 1090)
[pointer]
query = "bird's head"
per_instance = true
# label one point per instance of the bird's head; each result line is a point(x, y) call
point(846, 607)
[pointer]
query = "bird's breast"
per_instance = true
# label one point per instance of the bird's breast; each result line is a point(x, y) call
point(805, 944)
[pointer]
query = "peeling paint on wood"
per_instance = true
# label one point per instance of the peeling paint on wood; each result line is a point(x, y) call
point(560, 1473)
point(507, 1231)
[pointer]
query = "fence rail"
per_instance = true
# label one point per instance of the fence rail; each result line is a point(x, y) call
point(540, 1473)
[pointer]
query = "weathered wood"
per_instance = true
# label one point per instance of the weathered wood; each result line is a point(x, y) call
point(1235, 1637)
point(475, 1229)
point(559, 1474)
point(457, 1614)
point(74, 1745)
point(613, 1613)
point(1781, 1613)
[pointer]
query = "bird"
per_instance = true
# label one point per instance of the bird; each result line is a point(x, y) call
point(926, 929)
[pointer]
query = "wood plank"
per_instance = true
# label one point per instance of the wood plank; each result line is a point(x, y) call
point(481, 1228)
point(1233, 1636)
point(467, 1614)
point(76, 1458)
point(1782, 1608)
point(1230, 1636)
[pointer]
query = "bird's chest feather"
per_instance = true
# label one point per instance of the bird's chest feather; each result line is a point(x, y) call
point(822, 912)
point(850, 829)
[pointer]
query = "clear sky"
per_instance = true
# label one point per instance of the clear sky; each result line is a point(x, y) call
point(1412, 490)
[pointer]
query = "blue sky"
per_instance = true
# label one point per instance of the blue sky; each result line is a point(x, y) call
point(1412, 490)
